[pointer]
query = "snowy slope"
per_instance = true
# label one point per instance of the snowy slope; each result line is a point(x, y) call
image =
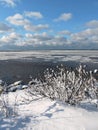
point(40, 113)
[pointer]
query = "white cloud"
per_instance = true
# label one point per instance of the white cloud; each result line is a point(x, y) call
point(43, 36)
point(33, 39)
point(85, 37)
point(87, 33)
point(64, 32)
point(33, 28)
point(9, 3)
point(10, 39)
point(44, 40)
point(18, 20)
point(93, 24)
point(36, 15)
point(95, 39)
point(5, 28)
point(64, 17)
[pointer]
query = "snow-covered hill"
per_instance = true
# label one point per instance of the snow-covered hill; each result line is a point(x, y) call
point(39, 113)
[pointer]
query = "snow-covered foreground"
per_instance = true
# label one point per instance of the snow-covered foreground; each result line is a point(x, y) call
point(39, 113)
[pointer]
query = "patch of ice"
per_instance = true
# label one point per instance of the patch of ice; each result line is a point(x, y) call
point(64, 55)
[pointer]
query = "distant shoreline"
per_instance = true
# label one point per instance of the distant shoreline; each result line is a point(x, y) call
point(23, 50)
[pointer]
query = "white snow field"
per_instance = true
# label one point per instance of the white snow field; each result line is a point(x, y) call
point(39, 113)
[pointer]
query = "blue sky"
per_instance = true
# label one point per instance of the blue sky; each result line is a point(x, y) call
point(48, 24)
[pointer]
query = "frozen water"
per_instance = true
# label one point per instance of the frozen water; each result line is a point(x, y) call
point(58, 55)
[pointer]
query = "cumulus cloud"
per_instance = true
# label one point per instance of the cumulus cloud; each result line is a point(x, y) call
point(86, 33)
point(44, 39)
point(64, 17)
point(34, 28)
point(10, 39)
point(34, 40)
point(36, 15)
point(35, 36)
point(87, 38)
point(92, 23)
point(64, 32)
point(5, 28)
point(17, 20)
point(9, 3)
point(20, 20)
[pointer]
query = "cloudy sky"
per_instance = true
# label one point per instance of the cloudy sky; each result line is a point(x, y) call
point(48, 24)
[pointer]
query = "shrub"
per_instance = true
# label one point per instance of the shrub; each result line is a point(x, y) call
point(67, 85)
point(5, 107)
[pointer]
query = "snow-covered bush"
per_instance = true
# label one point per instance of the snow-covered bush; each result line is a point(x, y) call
point(67, 85)
point(5, 107)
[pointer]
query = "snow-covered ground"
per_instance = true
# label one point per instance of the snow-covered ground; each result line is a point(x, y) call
point(26, 112)
point(39, 113)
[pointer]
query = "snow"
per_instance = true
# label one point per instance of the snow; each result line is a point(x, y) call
point(17, 83)
point(95, 71)
point(39, 113)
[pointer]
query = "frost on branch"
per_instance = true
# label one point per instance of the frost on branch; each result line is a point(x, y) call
point(67, 85)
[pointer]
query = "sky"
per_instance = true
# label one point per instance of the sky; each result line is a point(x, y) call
point(48, 24)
